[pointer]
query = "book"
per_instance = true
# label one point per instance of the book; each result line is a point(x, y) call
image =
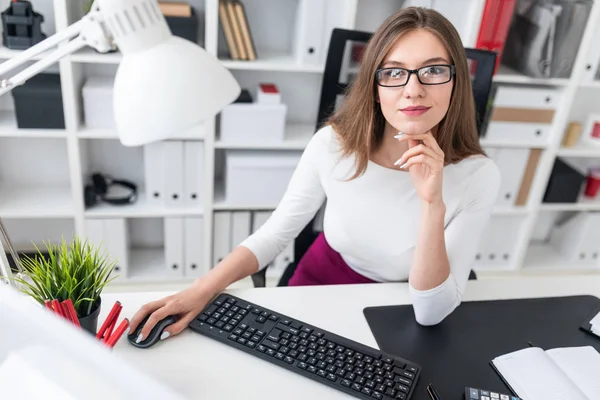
point(175, 9)
point(560, 373)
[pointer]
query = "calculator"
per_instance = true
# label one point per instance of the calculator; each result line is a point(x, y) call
point(480, 394)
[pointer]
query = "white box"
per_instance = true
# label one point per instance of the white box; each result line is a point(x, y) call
point(258, 178)
point(252, 122)
point(524, 132)
point(97, 93)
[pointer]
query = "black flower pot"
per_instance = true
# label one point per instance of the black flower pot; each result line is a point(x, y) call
point(90, 322)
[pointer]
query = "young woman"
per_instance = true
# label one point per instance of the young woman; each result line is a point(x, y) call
point(409, 190)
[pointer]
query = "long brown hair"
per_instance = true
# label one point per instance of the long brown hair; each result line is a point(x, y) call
point(359, 121)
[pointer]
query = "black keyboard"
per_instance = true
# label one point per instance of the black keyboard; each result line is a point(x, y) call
point(343, 364)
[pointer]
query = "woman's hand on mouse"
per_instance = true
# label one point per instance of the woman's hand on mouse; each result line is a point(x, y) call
point(186, 305)
point(424, 160)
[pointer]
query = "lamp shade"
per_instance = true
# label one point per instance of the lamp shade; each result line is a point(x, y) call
point(169, 88)
point(164, 85)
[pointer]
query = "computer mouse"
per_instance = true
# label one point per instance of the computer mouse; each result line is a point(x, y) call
point(155, 332)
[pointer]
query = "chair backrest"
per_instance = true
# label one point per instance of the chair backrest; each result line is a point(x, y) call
point(343, 60)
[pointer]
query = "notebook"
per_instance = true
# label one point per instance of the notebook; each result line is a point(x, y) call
point(569, 373)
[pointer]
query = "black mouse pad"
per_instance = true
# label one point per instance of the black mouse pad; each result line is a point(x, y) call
point(457, 352)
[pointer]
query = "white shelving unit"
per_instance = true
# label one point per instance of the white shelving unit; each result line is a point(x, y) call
point(42, 172)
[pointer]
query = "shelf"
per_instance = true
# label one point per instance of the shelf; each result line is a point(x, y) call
point(515, 145)
point(280, 62)
point(584, 204)
point(580, 150)
point(148, 265)
point(594, 84)
point(89, 55)
point(508, 75)
point(36, 202)
point(510, 210)
point(85, 133)
point(542, 257)
point(297, 136)
point(140, 209)
point(8, 128)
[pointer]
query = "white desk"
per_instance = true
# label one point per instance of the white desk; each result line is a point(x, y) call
point(202, 368)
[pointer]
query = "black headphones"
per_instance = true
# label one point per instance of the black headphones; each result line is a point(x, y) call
point(97, 190)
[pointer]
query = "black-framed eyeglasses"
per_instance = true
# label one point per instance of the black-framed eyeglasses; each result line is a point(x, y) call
point(428, 75)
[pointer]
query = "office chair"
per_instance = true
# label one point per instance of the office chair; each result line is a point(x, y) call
point(340, 52)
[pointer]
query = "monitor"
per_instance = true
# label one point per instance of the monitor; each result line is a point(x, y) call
point(45, 357)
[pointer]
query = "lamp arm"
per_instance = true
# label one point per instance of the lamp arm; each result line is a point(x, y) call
point(88, 31)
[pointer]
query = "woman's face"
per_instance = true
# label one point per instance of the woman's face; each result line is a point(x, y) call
point(415, 107)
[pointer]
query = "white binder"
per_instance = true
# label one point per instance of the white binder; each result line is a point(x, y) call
point(117, 244)
point(512, 163)
point(154, 173)
point(194, 247)
point(221, 235)
point(94, 232)
point(173, 152)
point(498, 243)
point(193, 173)
point(576, 238)
point(310, 37)
point(174, 254)
point(240, 227)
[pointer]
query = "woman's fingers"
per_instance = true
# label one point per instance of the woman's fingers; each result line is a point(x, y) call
point(422, 159)
point(143, 312)
point(427, 139)
point(181, 324)
point(419, 149)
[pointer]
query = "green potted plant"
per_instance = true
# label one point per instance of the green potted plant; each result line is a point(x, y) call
point(77, 270)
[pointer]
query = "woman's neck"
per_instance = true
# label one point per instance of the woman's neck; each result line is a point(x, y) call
point(389, 149)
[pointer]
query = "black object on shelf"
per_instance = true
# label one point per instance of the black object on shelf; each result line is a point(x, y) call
point(39, 104)
point(21, 26)
point(184, 27)
point(564, 185)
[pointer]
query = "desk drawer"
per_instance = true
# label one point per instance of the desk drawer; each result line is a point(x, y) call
point(507, 96)
point(533, 133)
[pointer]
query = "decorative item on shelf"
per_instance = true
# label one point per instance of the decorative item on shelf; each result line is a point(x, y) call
point(21, 26)
point(493, 29)
point(592, 183)
point(38, 103)
point(544, 37)
point(564, 185)
point(572, 134)
point(591, 132)
point(236, 29)
point(97, 94)
point(99, 190)
point(261, 121)
point(75, 272)
point(181, 18)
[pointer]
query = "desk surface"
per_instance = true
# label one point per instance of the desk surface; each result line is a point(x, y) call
point(201, 368)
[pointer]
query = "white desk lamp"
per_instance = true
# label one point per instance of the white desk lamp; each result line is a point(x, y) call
point(164, 84)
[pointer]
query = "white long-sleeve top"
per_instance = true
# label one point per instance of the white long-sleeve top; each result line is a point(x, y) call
point(373, 220)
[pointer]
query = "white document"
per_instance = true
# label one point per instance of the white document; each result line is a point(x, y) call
point(173, 152)
point(563, 373)
point(174, 256)
point(193, 228)
point(154, 173)
point(193, 172)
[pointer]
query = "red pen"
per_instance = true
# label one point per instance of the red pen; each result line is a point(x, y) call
point(57, 308)
point(70, 310)
point(48, 305)
point(118, 333)
point(109, 319)
point(110, 329)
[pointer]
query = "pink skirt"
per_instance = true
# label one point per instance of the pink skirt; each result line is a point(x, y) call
point(321, 265)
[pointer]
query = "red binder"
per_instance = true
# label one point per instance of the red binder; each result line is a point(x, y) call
point(494, 27)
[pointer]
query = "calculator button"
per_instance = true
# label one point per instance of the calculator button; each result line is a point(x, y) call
point(504, 397)
point(474, 394)
point(485, 398)
point(495, 395)
point(485, 393)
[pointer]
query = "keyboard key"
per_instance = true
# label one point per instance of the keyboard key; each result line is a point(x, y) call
point(411, 369)
point(295, 325)
point(302, 365)
point(271, 352)
point(286, 321)
point(331, 377)
point(366, 391)
point(261, 348)
point(250, 344)
point(322, 373)
point(233, 337)
point(400, 396)
point(261, 319)
point(377, 395)
point(279, 356)
point(288, 360)
point(273, 317)
point(346, 382)
point(271, 345)
point(407, 374)
point(312, 368)
point(356, 387)
point(403, 381)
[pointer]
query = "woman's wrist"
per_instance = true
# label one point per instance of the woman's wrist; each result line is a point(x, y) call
point(434, 207)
